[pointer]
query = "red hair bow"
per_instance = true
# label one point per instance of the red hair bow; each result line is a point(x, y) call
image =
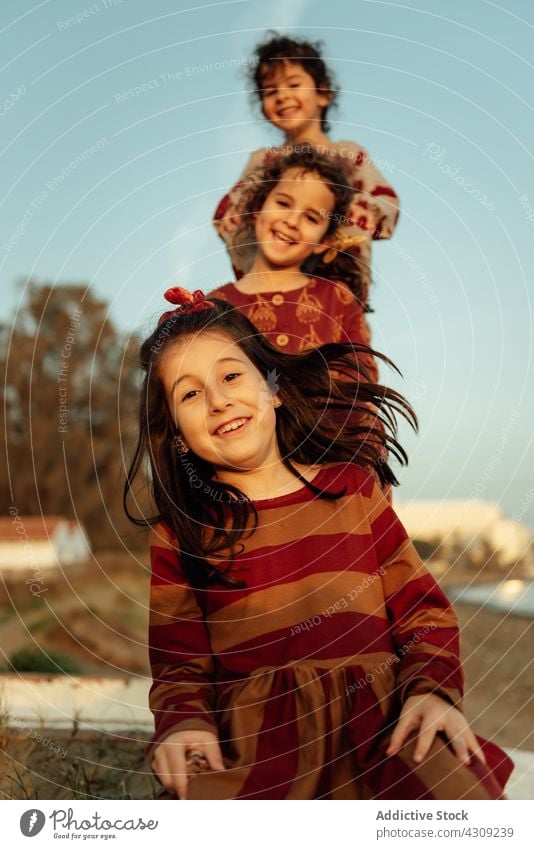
point(187, 302)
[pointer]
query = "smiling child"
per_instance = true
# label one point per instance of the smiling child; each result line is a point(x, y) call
point(291, 216)
point(299, 647)
point(296, 91)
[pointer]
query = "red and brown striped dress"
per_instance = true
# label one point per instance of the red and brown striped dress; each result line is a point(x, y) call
point(302, 673)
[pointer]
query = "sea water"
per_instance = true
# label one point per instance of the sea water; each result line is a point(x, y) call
point(511, 596)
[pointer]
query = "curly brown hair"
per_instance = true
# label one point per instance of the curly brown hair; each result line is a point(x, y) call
point(261, 183)
point(281, 48)
point(308, 160)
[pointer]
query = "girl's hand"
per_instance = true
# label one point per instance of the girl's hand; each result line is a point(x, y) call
point(169, 760)
point(230, 224)
point(428, 714)
point(364, 217)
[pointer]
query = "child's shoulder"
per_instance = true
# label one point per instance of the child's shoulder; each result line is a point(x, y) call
point(350, 154)
point(348, 144)
point(162, 536)
point(259, 158)
point(352, 476)
point(165, 560)
point(223, 292)
point(337, 289)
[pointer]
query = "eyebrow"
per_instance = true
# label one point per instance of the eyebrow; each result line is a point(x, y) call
point(294, 76)
point(222, 360)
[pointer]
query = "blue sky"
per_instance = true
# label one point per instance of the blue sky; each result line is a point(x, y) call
point(439, 93)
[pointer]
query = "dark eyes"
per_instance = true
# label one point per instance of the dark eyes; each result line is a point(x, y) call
point(188, 395)
point(309, 216)
point(269, 92)
point(228, 378)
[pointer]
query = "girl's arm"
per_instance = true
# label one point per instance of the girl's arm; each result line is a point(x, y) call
point(227, 217)
point(423, 623)
point(375, 207)
point(182, 693)
point(426, 636)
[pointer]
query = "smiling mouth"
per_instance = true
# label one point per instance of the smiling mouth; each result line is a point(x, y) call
point(288, 112)
point(231, 427)
point(279, 237)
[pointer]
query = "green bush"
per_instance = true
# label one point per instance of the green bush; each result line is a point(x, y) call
point(37, 660)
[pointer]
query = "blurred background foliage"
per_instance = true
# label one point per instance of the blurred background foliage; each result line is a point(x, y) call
point(62, 350)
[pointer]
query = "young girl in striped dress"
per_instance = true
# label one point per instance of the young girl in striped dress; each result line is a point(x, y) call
point(299, 647)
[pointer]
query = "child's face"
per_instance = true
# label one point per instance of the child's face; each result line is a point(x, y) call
point(294, 218)
point(210, 384)
point(290, 99)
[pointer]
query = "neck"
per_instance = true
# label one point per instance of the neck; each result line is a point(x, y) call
point(268, 481)
point(311, 133)
point(264, 277)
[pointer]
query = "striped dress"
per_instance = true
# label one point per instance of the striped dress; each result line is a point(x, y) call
point(302, 673)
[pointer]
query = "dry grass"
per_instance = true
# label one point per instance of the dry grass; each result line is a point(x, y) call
point(74, 765)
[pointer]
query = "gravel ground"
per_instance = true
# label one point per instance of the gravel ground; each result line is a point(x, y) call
point(496, 652)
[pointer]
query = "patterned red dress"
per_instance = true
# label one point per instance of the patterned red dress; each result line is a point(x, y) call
point(302, 673)
point(320, 312)
point(373, 214)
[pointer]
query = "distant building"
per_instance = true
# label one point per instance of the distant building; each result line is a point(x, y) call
point(29, 543)
point(467, 523)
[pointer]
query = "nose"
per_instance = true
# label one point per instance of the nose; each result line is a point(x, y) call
point(291, 217)
point(218, 399)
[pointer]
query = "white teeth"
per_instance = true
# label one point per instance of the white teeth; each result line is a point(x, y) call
point(283, 238)
point(231, 426)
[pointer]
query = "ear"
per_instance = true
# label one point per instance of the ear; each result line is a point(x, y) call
point(326, 249)
point(324, 97)
point(326, 245)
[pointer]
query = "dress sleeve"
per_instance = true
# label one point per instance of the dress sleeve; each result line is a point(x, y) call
point(423, 624)
point(182, 694)
point(227, 218)
point(375, 206)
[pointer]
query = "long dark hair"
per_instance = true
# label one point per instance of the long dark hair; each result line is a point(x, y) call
point(317, 387)
point(279, 48)
point(262, 182)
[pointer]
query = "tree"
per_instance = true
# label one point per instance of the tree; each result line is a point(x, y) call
point(70, 393)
